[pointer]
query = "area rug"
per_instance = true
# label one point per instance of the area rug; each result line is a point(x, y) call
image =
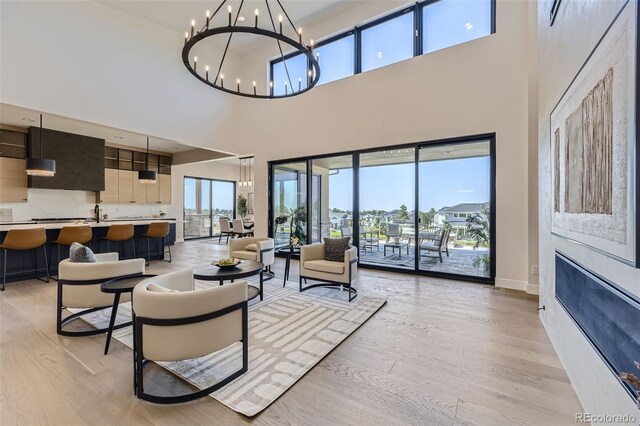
point(289, 333)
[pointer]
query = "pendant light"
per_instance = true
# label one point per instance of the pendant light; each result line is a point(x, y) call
point(38, 166)
point(250, 172)
point(146, 175)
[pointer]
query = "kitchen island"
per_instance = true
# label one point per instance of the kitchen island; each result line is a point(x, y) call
point(21, 265)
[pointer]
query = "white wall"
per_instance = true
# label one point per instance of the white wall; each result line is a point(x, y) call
point(563, 49)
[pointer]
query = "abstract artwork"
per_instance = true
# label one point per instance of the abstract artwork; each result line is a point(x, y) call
point(594, 145)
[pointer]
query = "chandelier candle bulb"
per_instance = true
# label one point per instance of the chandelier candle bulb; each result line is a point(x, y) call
point(206, 70)
point(286, 88)
point(257, 13)
point(186, 37)
point(230, 10)
point(208, 18)
point(238, 83)
point(299, 84)
point(271, 88)
point(193, 25)
point(222, 80)
point(254, 88)
point(195, 63)
point(280, 20)
point(300, 34)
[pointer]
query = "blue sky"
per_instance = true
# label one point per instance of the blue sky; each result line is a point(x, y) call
point(445, 23)
point(222, 194)
point(442, 183)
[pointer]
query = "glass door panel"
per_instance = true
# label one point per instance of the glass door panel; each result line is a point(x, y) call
point(333, 194)
point(289, 201)
point(454, 215)
point(223, 203)
point(387, 200)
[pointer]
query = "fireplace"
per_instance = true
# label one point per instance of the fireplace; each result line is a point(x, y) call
point(608, 316)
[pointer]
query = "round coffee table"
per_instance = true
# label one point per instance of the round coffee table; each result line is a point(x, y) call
point(246, 268)
point(117, 286)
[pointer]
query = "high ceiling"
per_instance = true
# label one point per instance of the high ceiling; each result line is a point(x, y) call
point(177, 15)
point(24, 117)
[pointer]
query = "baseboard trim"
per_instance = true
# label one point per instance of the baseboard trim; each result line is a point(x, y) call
point(511, 284)
point(533, 289)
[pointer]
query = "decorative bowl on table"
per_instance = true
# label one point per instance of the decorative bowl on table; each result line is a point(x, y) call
point(226, 263)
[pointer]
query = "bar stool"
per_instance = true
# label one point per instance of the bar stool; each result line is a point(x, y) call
point(22, 240)
point(119, 234)
point(157, 230)
point(69, 235)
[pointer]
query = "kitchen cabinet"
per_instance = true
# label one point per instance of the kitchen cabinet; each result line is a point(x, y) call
point(125, 186)
point(13, 180)
point(139, 190)
point(164, 189)
point(111, 186)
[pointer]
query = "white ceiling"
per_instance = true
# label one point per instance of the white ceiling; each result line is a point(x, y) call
point(177, 14)
point(24, 117)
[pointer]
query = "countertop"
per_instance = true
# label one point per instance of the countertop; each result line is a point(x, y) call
point(56, 225)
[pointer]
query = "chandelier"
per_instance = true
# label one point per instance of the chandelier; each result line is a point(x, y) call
point(281, 34)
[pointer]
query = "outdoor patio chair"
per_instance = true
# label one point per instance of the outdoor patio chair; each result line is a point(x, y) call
point(439, 245)
point(393, 230)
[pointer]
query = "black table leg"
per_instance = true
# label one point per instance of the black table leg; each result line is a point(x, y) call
point(261, 281)
point(112, 321)
point(287, 264)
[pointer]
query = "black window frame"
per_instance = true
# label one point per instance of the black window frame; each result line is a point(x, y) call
point(418, 47)
point(356, 154)
point(382, 20)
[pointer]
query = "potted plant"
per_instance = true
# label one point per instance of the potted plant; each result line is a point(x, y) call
point(242, 206)
point(478, 228)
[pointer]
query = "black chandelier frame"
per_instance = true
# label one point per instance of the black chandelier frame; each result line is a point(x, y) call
point(313, 75)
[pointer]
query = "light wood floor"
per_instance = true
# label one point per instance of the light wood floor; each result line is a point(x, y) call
point(439, 352)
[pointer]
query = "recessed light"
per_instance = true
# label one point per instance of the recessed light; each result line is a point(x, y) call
point(28, 120)
point(241, 18)
point(118, 137)
point(468, 26)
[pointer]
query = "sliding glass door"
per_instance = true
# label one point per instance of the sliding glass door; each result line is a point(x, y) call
point(455, 209)
point(333, 195)
point(387, 199)
point(205, 202)
point(427, 208)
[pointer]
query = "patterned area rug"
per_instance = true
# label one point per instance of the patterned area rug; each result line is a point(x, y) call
point(289, 333)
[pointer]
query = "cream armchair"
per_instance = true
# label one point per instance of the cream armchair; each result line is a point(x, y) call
point(174, 322)
point(255, 248)
point(314, 266)
point(79, 287)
